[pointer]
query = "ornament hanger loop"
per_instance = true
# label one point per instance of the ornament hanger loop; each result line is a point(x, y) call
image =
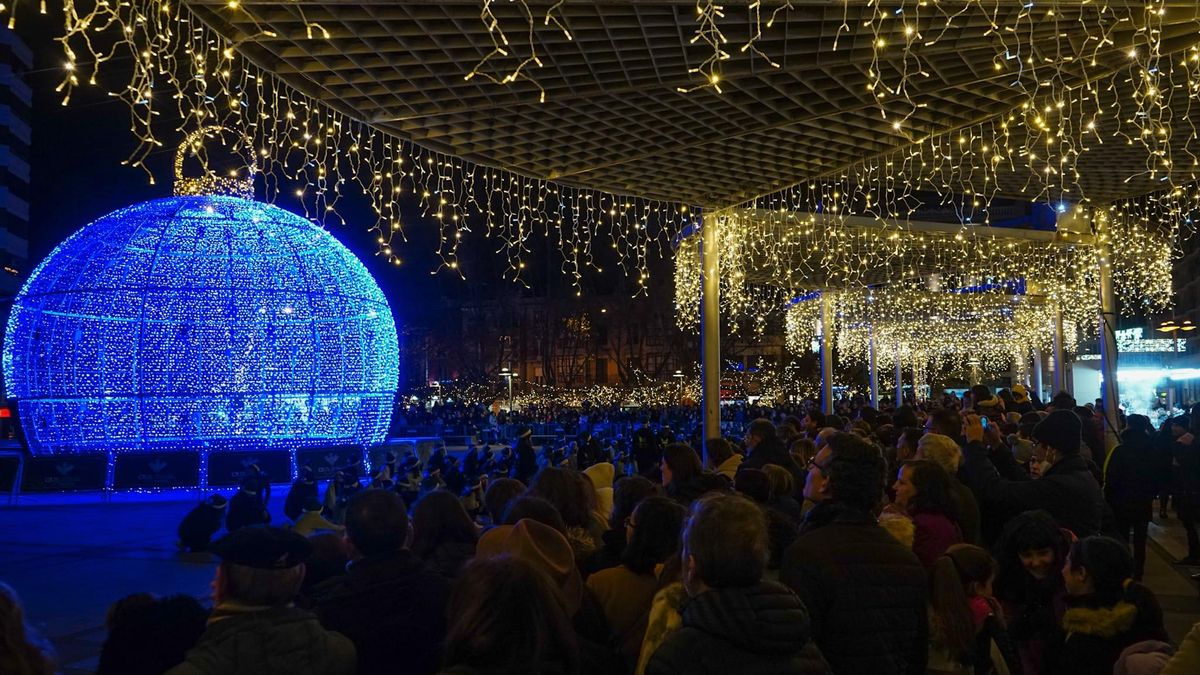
point(210, 183)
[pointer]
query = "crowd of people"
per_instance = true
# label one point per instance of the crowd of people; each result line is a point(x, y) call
point(990, 534)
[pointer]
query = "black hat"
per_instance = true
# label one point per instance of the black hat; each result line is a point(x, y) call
point(217, 502)
point(1061, 430)
point(306, 474)
point(1030, 420)
point(524, 432)
point(264, 548)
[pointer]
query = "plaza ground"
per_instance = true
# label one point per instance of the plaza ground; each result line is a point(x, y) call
point(70, 557)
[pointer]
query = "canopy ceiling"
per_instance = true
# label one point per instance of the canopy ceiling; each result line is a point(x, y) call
point(613, 117)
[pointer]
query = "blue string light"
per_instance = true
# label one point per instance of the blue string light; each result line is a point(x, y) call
point(202, 324)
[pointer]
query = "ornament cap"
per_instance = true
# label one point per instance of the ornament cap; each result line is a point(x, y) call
point(234, 185)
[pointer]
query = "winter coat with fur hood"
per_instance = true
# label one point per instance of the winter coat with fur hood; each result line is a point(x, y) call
point(1097, 628)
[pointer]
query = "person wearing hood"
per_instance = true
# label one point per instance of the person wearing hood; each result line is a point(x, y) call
point(1107, 610)
point(525, 464)
point(733, 621)
point(1021, 399)
point(201, 523)
point(1131, 482)
point(1067, 490)
point(601, 474)
point(986, 403)
point(303, 491)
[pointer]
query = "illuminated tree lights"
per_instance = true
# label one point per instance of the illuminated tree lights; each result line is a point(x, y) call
point(200, 323)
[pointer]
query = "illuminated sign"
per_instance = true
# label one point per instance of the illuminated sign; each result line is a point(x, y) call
point(1130, 341)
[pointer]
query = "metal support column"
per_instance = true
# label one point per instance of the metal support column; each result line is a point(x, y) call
point(1037, 375)
point(899, 379)
point(1060, 366)
point(710, 329)
point(873, 364)
point(1109, 394)
point(827, 352)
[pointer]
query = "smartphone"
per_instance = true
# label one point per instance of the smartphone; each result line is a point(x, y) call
point(983, 422)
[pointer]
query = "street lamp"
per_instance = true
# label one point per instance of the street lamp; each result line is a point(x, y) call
point(507, 374)
point(679, 376)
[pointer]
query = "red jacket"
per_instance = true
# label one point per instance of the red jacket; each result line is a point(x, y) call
point(934, 533)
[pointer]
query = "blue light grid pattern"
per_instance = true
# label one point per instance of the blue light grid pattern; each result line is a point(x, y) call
point(200, 322)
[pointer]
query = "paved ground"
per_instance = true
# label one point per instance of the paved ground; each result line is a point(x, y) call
point(69, 558)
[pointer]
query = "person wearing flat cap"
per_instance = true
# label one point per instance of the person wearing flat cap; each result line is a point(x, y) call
point(254, 628)
point(1067, 489)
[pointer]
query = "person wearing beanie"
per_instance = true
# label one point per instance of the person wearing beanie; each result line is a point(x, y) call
point(201, 523)
point(254, 626)
point(1067, 490)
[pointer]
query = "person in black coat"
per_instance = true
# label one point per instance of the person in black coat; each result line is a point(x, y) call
point(764, 447)
point(1185, 464)
point(197, 528)
point(1131, 482)
point(1106, 610)
point(525, 463)
point(1067, 490)
point(734, 621)
point(303, 491)
point(389, 602)
point(248, 506)
point(647, 451)
point(866, 593)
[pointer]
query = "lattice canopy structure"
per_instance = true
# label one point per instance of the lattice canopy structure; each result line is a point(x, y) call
point(200, 323)
point(614, 96)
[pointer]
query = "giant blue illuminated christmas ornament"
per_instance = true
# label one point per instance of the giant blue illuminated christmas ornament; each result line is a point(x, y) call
point(200, 323)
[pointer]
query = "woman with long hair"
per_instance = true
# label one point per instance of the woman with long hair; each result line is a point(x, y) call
point(625, 592)
point(1029, 584)
point(444, 534)
point(574, 496)
point(683, 475)
point(966, 625)
point(506, 617)
point(22, 652)
point(923, 493)
point(1107, 610)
